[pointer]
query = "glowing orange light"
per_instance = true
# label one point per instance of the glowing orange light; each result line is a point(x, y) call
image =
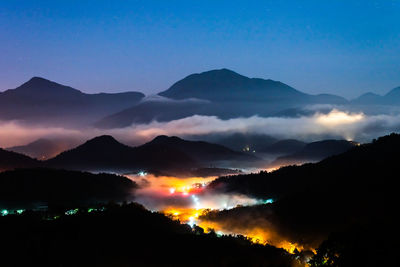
point(337, 117)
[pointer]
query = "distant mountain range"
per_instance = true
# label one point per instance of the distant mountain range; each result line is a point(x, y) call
point(315, 151)
point(171, 155)
point(153, 110)
point(228, 95)
point(41, 149)
point(391, 98)
point(246, 142)
point(40, 100)
point(285, 147)
point(104, 153)
point(202, 151)
point(225, 85)
point(163, 154)
point(223, 93)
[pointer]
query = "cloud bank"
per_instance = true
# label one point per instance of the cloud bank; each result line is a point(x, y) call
point(335, 124)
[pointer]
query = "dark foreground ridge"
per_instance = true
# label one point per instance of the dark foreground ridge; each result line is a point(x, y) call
point(11, 160)
point(354, 190)
point(30, 188)
point(127, 235)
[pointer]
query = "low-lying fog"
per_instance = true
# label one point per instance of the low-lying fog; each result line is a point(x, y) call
point(185, 198)
point(335, 124)
point(188, 200)
point(167, 192)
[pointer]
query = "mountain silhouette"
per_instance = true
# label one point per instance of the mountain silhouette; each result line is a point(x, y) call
point(41, 100)
point(168, 154)
point(315, 151)
point(226, 85)
point(11, 160)
point(202, 151)
point(227, 94)
point(41, 149)
point(148, 111)
point(357, 187)
point(246, 142)
point(105, 153)
point(391, 98)
point(286, 146)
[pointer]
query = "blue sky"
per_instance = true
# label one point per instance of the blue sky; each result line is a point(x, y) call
point(340, 47)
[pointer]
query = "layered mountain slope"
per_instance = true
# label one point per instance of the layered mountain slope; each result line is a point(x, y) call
point(247, 142)
point(227, 94)
point(391, 98)
point(106, 153)
point(172, 154)
point(286, 146)
point(226, 85)
point(159, 110)
point(316, 151)
point(202, 151)
point(42, 148)
point(358, 187)
point(11, 160)
point(41, 100)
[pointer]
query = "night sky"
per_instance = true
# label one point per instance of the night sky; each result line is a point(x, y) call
point(340, 47)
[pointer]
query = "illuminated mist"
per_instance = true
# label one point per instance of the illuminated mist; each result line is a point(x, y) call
point(186, 200)
point(336, 123)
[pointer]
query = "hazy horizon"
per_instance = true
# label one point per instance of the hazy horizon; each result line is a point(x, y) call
point(156, 93)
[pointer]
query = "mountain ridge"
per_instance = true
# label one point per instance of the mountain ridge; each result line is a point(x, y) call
point(313, 200)
point(40, 149)
point(209, 84)
point(11, 160)
point(228, 93)
point(315, 151)
point(200, 150)
point(169, 154)
point(390, 98)
point(42, 100)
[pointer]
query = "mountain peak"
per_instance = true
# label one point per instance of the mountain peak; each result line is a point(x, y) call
point(221, 73)
point(36, 81)
point(225, 84)
point(39, 84)
point(163, 139)
point(369, 95)
point(103, 139)
point(103, 147)
point(394, 92)
point(103, 143)
point(220, 76)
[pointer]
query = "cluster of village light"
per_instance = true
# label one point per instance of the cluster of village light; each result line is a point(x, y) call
point(89, 210)
point(5, 212)
point(190, 215)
